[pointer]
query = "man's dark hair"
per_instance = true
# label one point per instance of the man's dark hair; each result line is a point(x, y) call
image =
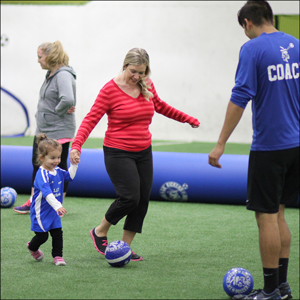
point(258, 11)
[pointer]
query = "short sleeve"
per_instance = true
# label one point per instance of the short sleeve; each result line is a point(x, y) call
point(245, 79)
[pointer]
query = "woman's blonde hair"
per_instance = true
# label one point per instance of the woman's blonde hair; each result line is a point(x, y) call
point(45, 145)
point(55, 54)
point(139, 56)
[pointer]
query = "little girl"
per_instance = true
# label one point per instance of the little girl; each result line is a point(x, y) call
point(46, 208)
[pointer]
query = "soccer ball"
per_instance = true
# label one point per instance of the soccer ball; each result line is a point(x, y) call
point(8, 197)
point(238, 281)
point(118, 254)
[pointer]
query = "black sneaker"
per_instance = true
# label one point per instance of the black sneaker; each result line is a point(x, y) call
point(100, 243)
point(285, 291)
point(135, 257)
point(260, 295)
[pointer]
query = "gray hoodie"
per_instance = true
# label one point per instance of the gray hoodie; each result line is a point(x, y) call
point(57, 95)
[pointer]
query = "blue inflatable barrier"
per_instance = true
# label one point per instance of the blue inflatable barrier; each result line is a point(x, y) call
point(177, 176)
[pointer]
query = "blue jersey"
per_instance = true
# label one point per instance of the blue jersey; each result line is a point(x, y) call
point(268, 73)
point(43, 215)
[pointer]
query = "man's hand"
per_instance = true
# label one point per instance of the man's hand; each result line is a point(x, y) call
point(215, 154)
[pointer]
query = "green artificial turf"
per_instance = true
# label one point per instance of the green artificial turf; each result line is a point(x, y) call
point(187, 250)
point(187, 247)
point(157, 145)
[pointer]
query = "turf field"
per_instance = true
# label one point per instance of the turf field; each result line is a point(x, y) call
point(157, 145)
point(187, 247)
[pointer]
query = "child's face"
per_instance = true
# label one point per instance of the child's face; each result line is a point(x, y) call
point(51, 160)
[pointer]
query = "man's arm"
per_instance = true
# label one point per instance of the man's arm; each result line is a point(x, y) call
point(232, 118)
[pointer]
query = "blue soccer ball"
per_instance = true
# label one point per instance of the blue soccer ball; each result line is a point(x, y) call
point(8, 197)
point(118, 254)
point(238, 281)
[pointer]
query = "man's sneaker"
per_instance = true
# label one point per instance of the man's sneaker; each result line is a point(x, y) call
point(260, 295)
point(59, 261)
point(100, 243)
point(285, 291)
point(23, 209)
point(135, 257)
point(37, 255)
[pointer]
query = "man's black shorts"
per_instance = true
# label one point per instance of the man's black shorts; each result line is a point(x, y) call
point(273, 179)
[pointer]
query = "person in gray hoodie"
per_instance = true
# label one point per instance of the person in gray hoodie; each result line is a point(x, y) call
point(55, 111)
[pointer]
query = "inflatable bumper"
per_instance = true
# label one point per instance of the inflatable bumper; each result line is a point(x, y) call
point(177, 176)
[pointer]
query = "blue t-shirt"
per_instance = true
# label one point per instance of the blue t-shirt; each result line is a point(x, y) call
point(268, 73)
point(43, 216)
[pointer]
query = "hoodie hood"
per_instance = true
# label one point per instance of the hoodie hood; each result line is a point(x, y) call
point(63, 68)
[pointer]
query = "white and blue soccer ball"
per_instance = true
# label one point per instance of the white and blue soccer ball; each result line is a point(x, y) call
point(238, 281)
point(8, 197)
point(118, 253)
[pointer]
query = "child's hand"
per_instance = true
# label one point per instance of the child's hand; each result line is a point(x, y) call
point(61, 212)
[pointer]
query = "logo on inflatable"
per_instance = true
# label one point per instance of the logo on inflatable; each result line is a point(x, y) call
point(174, 191)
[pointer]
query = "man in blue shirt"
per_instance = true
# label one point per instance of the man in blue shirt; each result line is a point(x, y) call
point(268, 74)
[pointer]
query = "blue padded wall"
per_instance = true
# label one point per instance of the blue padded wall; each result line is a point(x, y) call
point(177, 176)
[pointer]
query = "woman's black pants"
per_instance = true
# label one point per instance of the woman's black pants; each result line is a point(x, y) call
point(131, 174)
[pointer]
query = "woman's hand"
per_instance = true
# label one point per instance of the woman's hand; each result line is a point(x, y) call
point(75, 156)
point(71, 110)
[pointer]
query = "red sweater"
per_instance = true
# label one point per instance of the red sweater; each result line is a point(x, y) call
point(128, 118)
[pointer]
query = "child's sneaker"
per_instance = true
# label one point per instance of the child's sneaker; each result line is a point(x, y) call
point(135, 257)
point(37, 255)
point(23, 209)
point(59, 261)
point(100, 243)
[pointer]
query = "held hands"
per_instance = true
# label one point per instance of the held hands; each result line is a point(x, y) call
point(75, 156)
point(215, 154)
point(61, 212)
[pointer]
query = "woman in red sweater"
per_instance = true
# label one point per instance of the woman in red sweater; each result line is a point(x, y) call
point(129, 100)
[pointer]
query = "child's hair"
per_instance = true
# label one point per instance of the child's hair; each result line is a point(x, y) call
point(45, 145)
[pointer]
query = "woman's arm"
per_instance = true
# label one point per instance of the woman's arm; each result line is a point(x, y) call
point(66, 92)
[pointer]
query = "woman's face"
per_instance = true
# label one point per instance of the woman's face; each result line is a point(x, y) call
point(41, 59)
point(134, 73)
